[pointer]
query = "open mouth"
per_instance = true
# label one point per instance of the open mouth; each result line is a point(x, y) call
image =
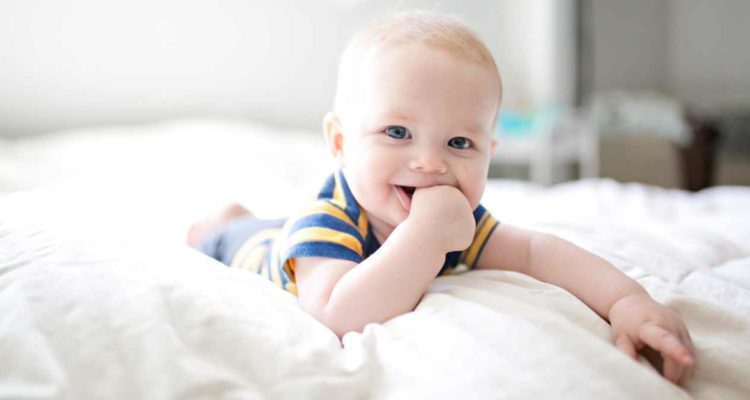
point(409, 190)
point(404, 194)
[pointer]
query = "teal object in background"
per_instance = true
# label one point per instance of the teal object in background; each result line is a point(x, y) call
point(531, 122)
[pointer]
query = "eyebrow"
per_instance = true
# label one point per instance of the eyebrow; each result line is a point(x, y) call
point(474, 129)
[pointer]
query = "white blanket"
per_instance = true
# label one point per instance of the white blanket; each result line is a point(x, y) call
point(98, 299)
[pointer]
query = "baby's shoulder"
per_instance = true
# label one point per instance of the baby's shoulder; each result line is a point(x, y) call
point(324, 230)
point(325, 213)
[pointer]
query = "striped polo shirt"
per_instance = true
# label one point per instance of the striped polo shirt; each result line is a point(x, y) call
point(335, 226)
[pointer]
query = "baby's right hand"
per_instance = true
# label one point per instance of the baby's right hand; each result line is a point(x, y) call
point(443, 213)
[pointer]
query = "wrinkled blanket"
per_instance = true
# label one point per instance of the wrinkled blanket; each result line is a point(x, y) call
point(99, 299)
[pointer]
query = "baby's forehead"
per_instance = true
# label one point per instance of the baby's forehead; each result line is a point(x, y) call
point(386, 60)
point(413, 81)
point(373, 52)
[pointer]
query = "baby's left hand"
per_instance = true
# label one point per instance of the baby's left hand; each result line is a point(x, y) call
point(638, 321)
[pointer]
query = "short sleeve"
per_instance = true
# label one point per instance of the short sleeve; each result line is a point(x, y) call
point(486, 224)
point(324, 231)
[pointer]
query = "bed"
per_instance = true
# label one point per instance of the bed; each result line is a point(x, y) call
point(99, 298)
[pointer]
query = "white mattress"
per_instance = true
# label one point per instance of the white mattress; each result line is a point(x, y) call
point(99, 299)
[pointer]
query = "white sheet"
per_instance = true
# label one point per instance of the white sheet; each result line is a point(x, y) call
point(99, 300)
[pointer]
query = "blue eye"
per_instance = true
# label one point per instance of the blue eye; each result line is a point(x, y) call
point(397, 132)
point(459, 143)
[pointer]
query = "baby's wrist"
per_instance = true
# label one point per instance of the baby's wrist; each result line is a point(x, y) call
point(424, 236)
point(630, 300)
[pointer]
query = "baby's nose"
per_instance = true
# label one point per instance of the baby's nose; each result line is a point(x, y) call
point(428, 162)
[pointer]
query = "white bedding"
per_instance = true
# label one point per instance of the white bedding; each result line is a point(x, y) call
point(99, 299)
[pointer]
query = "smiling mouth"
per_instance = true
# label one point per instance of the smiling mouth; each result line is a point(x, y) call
point(404, 195)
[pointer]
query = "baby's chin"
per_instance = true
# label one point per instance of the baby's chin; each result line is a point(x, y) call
point(394, 218)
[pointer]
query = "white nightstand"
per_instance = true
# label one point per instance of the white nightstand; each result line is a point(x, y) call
point(572, 140)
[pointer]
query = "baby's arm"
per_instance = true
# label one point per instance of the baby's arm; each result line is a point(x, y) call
point(637, 320)
point(392, 280)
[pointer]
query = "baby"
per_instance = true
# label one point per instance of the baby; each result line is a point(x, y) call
point(412, 132)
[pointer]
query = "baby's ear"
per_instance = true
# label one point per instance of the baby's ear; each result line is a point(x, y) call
point(334, 136)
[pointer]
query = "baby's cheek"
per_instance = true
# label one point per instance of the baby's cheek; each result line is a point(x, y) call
point(371, 196)
point(474, 195)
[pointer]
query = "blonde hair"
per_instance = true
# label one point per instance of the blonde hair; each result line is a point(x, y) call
point(429, 28)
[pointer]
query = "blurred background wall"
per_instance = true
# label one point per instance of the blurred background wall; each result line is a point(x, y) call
point(696, 50)
point(69, 63)
point(77, 63)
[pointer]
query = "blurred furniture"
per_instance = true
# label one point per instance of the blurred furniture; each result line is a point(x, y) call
point(723, 137)
point(549, 150)
point(653, 159)
point(573, 148)
point(654, 138)
point(640, 157)
point(698, 157)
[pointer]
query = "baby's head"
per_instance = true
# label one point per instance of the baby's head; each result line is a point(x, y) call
point(415, 106)
point(416, 27)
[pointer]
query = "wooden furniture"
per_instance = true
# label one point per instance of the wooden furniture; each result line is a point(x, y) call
point(699, 157)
